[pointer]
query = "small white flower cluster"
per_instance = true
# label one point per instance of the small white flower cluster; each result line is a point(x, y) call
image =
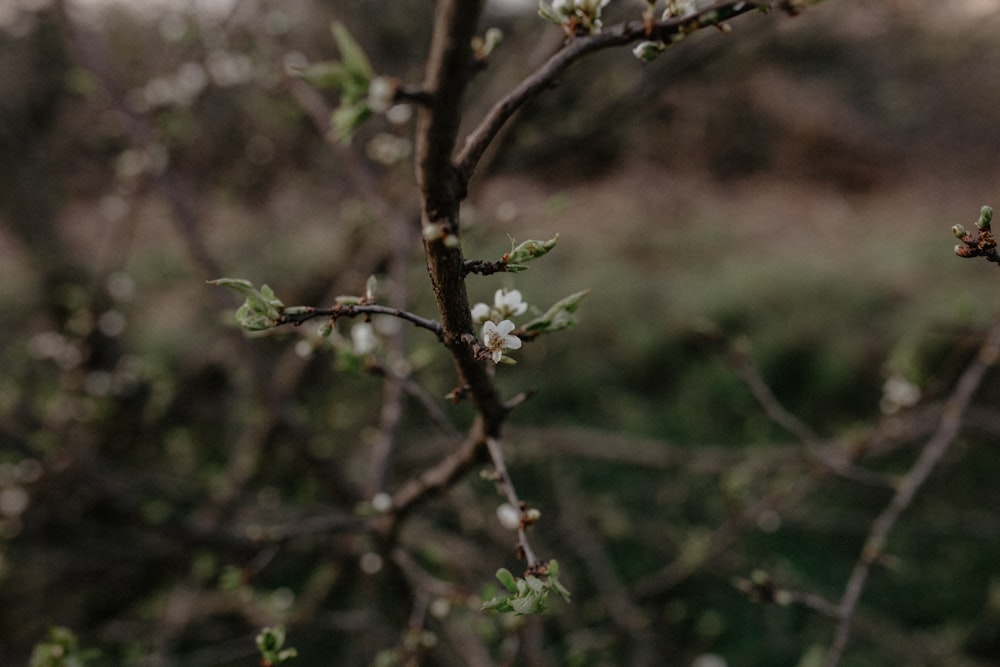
point(497, 326)
point(682, 8)
point(506, 304)
point(572, 14)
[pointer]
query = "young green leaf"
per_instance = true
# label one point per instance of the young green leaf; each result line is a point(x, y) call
point(559, 315)
point(527, 251)
point(261, 310)
point(353, 55)
point(507, 579)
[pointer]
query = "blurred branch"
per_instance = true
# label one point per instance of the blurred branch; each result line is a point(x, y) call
point(439, 476)
point(947, 431)
point(426, 400)
point(502, 478)
point(760, 587)
point(301, 314)
point(394, 391)
point(574, 49)
point(724, 536)
point(747, 371)
point(583, 539)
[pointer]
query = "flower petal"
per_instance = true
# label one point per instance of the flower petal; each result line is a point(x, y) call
point(505, 327)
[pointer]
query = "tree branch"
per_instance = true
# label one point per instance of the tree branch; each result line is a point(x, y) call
point(532, 563)
point(441, 192)
point(577, 47)
point(301, 314)
point(946, 433)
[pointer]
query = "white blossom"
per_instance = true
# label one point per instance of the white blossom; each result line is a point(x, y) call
point(480, 312)
point(509, 303)
point(506, 304)
point(363, 338)
point(497, 338)
point(381, 93)
point(509, 516)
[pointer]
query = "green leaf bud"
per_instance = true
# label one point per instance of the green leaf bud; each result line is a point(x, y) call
point(491, 40)
point(985, 217)
point(261, 310)
point(370, 288)
point(959, 231)
point(529, 250)
point(270, 639)
point(483, 46)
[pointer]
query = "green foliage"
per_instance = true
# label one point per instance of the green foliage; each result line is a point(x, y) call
point(352, 77)
point(559, 315)
point(183, 422)
point(527, 251)
point(262, 309)
point(60, 649)
point(528, 595)
point(271, 644)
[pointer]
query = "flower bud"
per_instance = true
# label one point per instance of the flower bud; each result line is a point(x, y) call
point(966, 251)
point(382, 93)
point(648, 51)
point(491, 40)
point(433, 231)
point(509, 516)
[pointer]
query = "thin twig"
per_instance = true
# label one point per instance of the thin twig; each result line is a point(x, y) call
point(439, 476)
point(947, 431)
point(748, 372)
point(393, 393)
point(424, 397)
point(506, 486)
point(302, 314)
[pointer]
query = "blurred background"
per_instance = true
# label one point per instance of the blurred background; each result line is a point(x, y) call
point(774, 203)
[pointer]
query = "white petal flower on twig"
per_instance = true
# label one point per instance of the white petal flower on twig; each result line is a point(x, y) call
point(506, 304)
point(497, 338)
point(509, 303)
point(480, 312)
